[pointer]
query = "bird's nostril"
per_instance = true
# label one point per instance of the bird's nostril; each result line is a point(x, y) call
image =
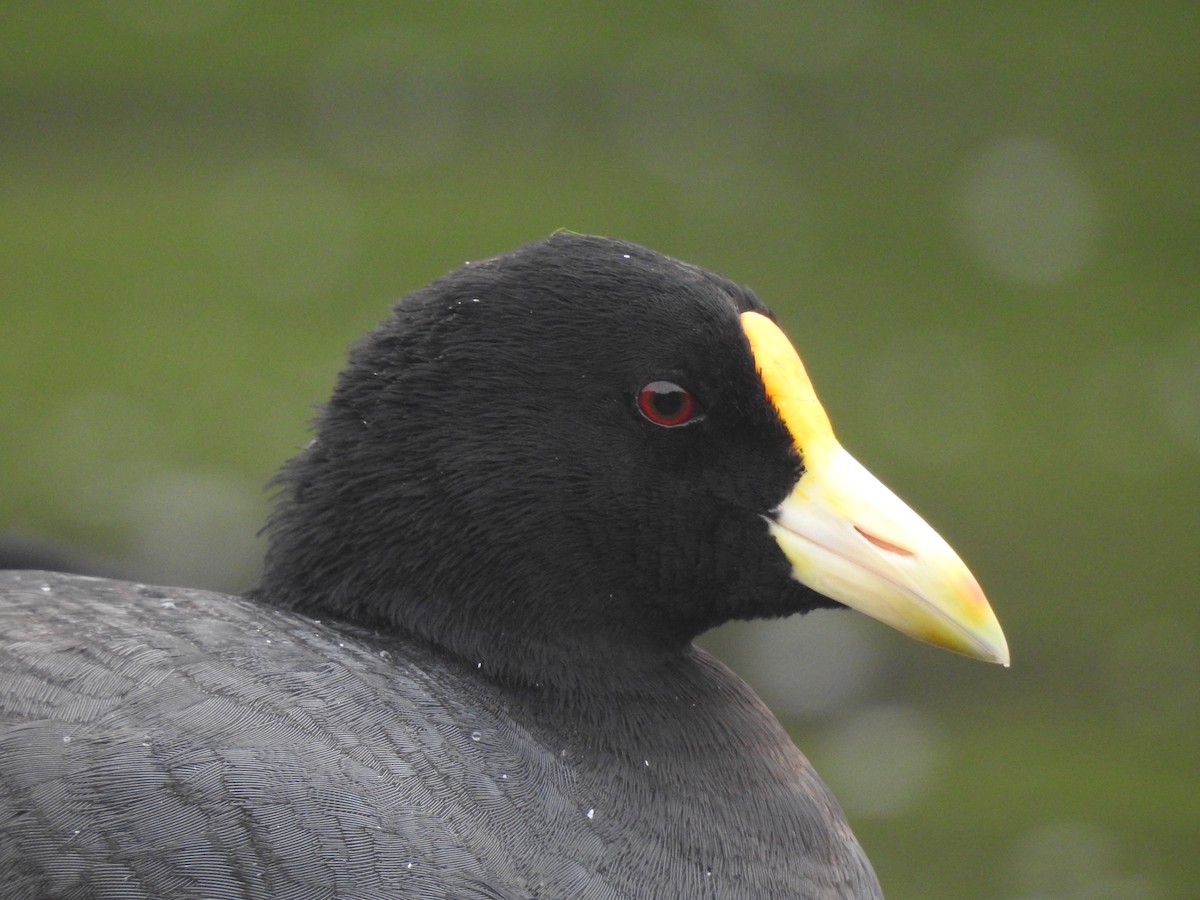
point(884, 545)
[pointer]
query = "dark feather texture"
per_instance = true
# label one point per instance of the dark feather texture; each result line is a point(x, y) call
point(467, 671)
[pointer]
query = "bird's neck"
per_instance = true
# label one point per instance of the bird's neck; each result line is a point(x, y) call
point(541, 651)
point(580, 645)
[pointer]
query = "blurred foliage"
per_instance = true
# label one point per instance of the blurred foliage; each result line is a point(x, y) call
point(979, 222)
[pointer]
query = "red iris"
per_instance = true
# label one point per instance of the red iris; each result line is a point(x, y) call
point(666, 403)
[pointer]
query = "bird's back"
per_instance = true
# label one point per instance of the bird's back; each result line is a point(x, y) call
point(168, 742)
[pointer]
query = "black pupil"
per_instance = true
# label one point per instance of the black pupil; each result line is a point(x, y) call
point(669, 402)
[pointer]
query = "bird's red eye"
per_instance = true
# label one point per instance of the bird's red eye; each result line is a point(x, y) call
point(666, 403)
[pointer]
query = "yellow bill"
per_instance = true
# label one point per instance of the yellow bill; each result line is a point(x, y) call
point(851, 539)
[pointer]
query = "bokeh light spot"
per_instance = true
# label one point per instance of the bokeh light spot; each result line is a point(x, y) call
point(1028, 213)
point(195, 529)
point(882, 761)
point(806, 666)
point(1071, 860)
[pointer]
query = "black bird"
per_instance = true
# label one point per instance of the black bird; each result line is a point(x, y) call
point(467, 670)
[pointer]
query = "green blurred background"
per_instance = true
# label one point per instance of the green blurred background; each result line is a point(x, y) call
point(979, 222)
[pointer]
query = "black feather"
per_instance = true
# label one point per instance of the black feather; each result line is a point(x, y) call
point(467, 671)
